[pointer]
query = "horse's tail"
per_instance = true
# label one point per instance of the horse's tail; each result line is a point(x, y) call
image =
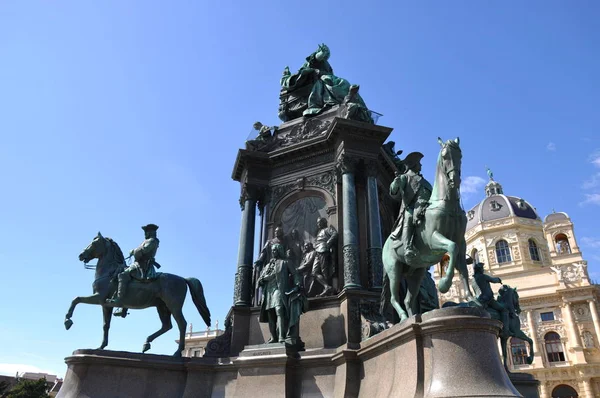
point(385, 294)
point(198, 297)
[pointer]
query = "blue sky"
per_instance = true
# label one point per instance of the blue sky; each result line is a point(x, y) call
point(117, 114)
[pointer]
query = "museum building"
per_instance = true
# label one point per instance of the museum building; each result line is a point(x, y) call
point(558, 302)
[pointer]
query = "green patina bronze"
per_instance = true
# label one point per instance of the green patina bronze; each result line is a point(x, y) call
point(315, 87)
point(505, 309)
point(282, 304)
point(138, 287)
point(431, 223)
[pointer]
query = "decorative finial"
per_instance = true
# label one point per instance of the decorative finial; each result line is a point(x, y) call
point(217, 325)
point(489, 173)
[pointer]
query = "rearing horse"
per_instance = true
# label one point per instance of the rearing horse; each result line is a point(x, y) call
point(442, 231)
point(167, 293)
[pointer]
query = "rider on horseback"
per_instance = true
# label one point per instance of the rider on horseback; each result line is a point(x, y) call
point(486, 298)
point(143, 267)
point(414, 191)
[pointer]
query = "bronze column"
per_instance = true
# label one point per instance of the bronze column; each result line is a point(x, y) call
point(347, 166)
point(243, 276)
point(375, 238)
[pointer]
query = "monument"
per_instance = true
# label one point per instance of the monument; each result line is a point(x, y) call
point(326, 309)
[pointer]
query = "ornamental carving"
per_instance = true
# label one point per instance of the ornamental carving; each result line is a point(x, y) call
point(372, 322)
point(571, 273)
point(350, 264)
point(581, 312)
point(347, 163)
point(553, 326)
point(325, 181)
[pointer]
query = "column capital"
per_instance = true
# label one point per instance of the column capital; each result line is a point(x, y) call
point(372, 168)
point(346, 163)
point(249, 192)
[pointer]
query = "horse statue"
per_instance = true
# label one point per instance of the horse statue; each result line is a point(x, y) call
point(509, 298)
point(441, 232)
point(167, 292)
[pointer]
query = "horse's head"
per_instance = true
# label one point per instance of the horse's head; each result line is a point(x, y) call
point(450, 161)
point(510, 298)
point(96, 249)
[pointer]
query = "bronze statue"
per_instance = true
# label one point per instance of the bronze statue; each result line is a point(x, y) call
point(440, 231)
point(274, 280)
point(508, 299)
point(322, 270)
point(265, 139)
point(142, 268)
point(414, 191)
point(486, 298)
point(167, 292)
point(294, 248)
point(315, 88)
point(263, 258)
point(308, 259)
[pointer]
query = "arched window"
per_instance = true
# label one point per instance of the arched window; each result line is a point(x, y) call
point(554, 348)
point(475, 256)
point(534, 252)
point(564, 391)
point(562, 244)
point(518, 350)
point(503, 252)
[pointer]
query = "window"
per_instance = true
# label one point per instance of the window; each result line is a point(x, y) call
point(554, 348)
point(547, 316)
point(562, 244)
point(503, 252)
point(518, 350)
point(534, 252)
point(564, 391)
point(199, 352)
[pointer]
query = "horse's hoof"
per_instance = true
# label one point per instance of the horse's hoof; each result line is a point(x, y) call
point(177, 354)
point(68, 324)
point(101, 347)
point(146, 347)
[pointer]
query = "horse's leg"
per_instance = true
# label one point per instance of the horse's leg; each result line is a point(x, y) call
point(413, 284)
point(107, 313)
point(440, 242)
point(503, 343)
point(165, 319)
point(521, 335)
point(173, 294)
point(461, 266)
point(395, 280)
point(97, 299)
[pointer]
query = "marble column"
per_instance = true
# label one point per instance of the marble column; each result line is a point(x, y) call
point(594, 313)
point(375, 238)
point(533, 335)
point(347, 166)
point(243, 276)
point(544, 390)
point(587, 388)
point(574, 339)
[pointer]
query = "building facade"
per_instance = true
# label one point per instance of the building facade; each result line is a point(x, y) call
point(195, 342)
point(558, 302)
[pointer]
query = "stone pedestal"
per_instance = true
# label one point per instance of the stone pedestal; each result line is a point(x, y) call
point(526, 384)
point(445, 353)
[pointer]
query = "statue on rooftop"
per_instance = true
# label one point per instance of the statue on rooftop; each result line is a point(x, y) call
point(314, 88)
point(265, 139)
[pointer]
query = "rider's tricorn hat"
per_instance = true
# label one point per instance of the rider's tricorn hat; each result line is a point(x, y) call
point(150, 227)
point(412, 159)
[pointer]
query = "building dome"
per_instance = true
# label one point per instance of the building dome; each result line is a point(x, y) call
point(496, 206)
point(553, 217)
